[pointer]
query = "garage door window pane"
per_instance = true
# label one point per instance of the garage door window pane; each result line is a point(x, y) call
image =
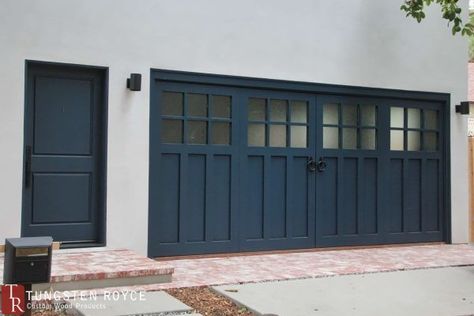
point(367, 113)
point(299, 112)
point(197, 104)
point(277, 135)
point(172, 103)
point(172, 131)
point(396, 117)
point(256, 135)
point(197, 132)
point(331, 137)
point(256, 109)
point(220, 133)
point(298, 136)
point(414, 118)
point(349, 138)
point(430, 141)
point(396, 140)
point(331, 114)
point(367, 138)
point(221, 106)
point(278, 110)
point(349, 115)
point(413, 141)
point(431, 119)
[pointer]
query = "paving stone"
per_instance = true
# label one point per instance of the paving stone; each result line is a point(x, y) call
point(310, 263)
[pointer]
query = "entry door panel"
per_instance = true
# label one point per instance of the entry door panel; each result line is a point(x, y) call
point(63, 190)
point(277, 194)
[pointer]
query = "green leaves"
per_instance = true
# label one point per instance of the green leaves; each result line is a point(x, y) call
point(449, 8)
point(470, 38)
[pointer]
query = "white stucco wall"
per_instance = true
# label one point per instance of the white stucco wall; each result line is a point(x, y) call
point(356, 42)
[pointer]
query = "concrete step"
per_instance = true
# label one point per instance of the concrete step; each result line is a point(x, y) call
point(101, 268)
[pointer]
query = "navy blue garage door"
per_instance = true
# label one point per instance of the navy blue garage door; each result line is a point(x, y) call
point(243, 164)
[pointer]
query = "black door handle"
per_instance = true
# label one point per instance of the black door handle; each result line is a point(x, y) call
point(321, 165)
point(311, 164)
point(28, 154)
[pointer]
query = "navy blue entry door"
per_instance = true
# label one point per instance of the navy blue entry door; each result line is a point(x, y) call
point(237, 168)
point(64, 155)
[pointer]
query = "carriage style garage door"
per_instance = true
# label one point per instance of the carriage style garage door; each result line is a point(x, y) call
point(240, 164)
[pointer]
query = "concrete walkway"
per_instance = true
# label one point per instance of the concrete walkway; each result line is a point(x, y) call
point(430, 292)
point(152, 303)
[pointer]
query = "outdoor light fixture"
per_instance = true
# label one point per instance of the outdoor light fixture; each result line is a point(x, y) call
point(463, 108)
point(134, 83)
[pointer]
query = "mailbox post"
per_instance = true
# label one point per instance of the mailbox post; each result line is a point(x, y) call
point(27, 261)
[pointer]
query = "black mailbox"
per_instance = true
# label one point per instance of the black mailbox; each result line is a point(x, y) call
point(27, 260)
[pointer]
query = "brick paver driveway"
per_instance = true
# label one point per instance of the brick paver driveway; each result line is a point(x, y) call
point(309, 264)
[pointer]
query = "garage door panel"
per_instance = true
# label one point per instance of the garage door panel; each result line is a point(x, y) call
point(417, 179)
point(368, 184)
point(254, 206)
point(347, 215)
point(169, 194)
point(275, 211)
point(279, 141)
point(299, 198)
point(219, 198)
point(195, 199)
point(413, 237)
point(395, 196)
point(348, 209)
point(327, 219)
point(412, 207)
point(431, 189)
point(383, 194)
point(193, 170)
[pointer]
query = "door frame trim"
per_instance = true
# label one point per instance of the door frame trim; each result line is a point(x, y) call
point(102, 224)
point(330, 89)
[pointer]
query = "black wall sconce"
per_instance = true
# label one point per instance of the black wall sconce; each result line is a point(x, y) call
point(134, 83)
point(463, 108)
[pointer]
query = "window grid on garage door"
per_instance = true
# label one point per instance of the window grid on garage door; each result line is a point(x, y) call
point(196, 118)
point(413, 129)
point(349, 126)
point(277, 123)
